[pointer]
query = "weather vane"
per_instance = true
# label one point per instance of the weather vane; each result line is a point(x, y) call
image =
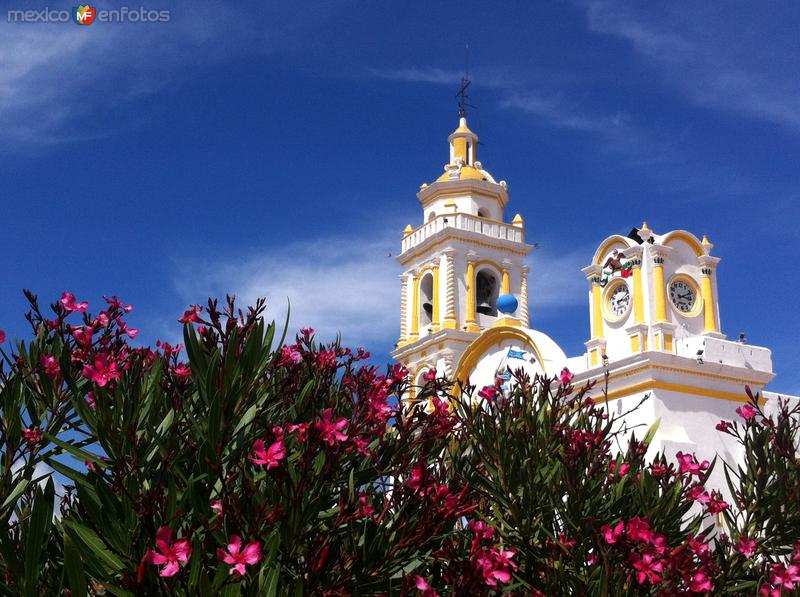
point(463, 98)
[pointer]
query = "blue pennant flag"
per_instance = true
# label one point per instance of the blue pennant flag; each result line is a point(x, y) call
point(516, 354)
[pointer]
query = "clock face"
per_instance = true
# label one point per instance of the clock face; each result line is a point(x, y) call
point(683, 296)
point(619, 301)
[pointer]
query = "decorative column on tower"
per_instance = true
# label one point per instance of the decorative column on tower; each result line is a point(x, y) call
point(403, 310)
point(708, 267)
point(638, 331)
point(472, 317)
point(450, 291)
point(414, 333)
point(597, 345)
point(505, 285)
point(523, 299)
point(435, 315)
point(663, 329)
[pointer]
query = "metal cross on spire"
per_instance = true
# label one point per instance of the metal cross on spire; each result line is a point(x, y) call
point(463, 98)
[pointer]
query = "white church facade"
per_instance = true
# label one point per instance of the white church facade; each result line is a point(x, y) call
point(654, 322)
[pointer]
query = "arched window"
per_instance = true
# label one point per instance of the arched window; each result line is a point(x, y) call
point(431, 215)
point(486, 292)
point(426, 299)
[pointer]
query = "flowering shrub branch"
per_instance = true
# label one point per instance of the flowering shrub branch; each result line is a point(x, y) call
point(235, 464)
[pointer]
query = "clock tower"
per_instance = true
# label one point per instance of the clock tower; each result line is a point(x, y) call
point(650, 291)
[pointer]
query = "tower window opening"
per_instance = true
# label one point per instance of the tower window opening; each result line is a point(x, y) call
point(427, 298)
point(486, 291)
point(431, 216)
point(482, 213)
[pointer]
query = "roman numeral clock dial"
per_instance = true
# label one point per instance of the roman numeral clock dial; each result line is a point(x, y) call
point(683, 296)
point(618, 302)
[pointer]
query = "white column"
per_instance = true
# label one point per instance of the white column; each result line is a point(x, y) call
point(523, 299)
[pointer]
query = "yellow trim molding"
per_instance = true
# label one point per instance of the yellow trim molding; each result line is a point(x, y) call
point(638, 295)
point(687, 237)
point(709, 315)
point(491, 337)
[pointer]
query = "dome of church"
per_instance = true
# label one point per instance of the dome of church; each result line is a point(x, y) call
point(467, 173)
point(463, 164)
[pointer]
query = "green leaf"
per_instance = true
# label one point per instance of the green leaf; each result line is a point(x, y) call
point(73, 568)
point(90, 540)
point(272, 582)
point(18, 490)
point(38, 532)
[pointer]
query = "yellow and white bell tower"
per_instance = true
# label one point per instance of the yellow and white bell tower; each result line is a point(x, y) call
point(459, 262)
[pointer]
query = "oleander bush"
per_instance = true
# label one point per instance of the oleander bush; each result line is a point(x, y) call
point(239, 463)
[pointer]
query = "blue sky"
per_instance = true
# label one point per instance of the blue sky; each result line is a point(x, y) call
point(275, 149)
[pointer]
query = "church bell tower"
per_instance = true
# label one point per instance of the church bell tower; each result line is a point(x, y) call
point(464, 264)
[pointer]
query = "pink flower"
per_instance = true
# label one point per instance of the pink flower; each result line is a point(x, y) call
point(123, 327)
point(83, 335)
point(364, 507)
point(747, 412)
point(170, 553)
point(494, 565)
point(429, 375)
point(786, 577)
point(746, 546)
point(688, 464)
point(300, 428)
point(182, 371)
point(657, 469)
point(639, 530)
point(488, 393)
point(2, 336)
point(565, 377)
point(307, 332)
point(239, 558)
point(422, 585)
point(32, 435)
point(698, 494)
point(270, 456)
point(289, 355)
point(115, 303)
point(102, 371)
point(700, 583)
point(90, 399)
point(331, 431)
point(723, 426)
point(68, 302)
point(419, 482)
point(51, 366)
point(192, 314)
point(716, 504)
point(647, 568)
point(624, 468)
point(612, 535)
point(697, 545)
point(217, 505)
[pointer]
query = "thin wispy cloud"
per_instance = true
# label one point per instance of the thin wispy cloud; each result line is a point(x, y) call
point(560, 113)
point(555, 280)
point(338, 284)
point(712, 57)
point(60, 82)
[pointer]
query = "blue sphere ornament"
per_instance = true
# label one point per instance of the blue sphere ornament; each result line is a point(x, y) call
point(507, 303)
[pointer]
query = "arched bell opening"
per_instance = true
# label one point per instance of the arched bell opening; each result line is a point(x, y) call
point(426, 300)
point(487, 289)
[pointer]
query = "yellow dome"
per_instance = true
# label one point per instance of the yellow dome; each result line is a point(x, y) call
point(467, 172)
